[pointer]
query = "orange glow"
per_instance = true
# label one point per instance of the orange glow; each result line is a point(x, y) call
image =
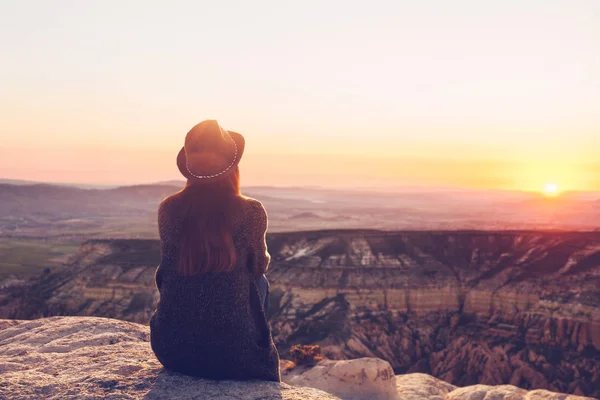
point(324, 102)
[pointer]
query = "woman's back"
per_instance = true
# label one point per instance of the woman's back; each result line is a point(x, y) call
point(213, 324)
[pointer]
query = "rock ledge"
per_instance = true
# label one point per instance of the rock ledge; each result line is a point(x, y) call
point(101, 358)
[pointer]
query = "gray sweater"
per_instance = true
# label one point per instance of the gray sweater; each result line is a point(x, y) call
point(213, 325)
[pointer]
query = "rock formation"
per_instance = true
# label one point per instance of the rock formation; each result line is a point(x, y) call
point(362, 378)
point(106, 278)
point(519, 308)
point(100, 358)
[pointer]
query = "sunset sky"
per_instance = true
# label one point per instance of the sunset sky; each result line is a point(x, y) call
point(487, 94)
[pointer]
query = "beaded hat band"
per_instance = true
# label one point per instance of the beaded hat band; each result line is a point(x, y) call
point(217, 174)
point(208, 148)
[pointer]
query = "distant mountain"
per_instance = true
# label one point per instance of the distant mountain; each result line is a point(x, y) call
point(76, 185)
point(171, 183)
point(311, 216)
point(16, 182)
point(130, 211)
point(44, 199)
point(306, 215)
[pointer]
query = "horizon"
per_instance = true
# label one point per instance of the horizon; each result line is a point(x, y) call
point(375, 189)
point(336, 95)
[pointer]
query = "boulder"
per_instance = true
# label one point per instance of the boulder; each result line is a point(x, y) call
point(354, 380)
point(422, 386)
point(359, 379)
point(507, 392)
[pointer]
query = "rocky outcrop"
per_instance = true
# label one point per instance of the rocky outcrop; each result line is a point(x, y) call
point(519, 308)
point(506, 392)
point(422, 386)
point(99, 358)
point(363, 378)
point(370, 379)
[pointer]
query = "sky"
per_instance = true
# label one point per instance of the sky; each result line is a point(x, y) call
point(468, 93)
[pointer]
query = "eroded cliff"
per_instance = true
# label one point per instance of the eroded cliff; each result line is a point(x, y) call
point(468, 307)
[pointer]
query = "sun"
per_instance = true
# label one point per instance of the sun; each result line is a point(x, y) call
point(551, 189)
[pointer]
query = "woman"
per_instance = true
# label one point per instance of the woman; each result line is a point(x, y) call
point(210, 321)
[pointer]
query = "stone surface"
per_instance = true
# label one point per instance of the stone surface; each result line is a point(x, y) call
point(422, 386)
point(506, 392)
point(97, 358)
point(519, 308)
point(363, 378)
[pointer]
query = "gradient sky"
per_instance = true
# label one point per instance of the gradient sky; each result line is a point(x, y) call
point(489, 94)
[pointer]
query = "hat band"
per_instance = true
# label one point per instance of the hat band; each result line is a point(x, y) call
point(218, 174)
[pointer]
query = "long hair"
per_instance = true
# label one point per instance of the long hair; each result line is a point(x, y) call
point(206, 243)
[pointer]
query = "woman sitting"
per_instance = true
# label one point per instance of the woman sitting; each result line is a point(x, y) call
point(210, 321)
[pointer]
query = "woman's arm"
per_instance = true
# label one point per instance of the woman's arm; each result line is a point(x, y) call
point(158, 277)
point(259, 255)
point(165, 233)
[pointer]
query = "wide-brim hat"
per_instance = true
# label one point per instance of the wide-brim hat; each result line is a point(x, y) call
point(210, 152)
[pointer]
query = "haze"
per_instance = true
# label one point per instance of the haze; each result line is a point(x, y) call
point(498, 95)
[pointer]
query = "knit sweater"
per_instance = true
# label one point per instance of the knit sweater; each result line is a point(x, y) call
point(213, 325)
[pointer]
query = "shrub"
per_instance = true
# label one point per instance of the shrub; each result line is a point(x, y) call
point(306, 355)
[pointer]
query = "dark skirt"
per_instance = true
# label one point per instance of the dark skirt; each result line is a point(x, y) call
point(214, 326)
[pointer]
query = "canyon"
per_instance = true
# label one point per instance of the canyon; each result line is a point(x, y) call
point(468, 307)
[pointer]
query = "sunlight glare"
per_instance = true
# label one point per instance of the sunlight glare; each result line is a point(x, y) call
point(551, 189)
